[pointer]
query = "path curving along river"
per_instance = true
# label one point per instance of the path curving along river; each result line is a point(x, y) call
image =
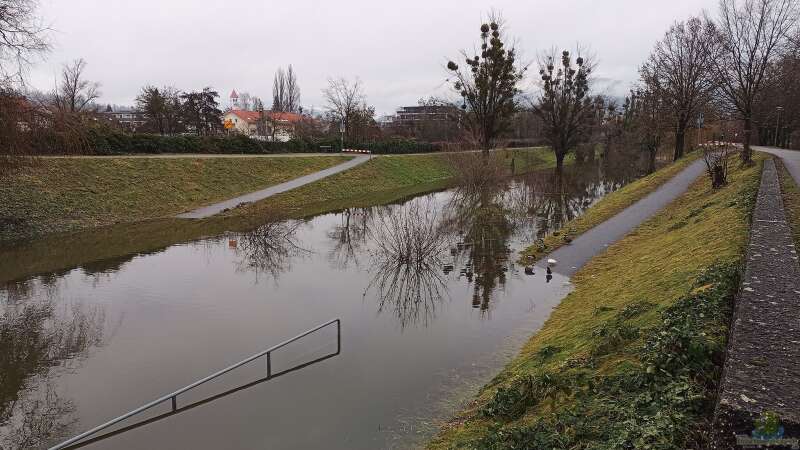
point(431, 301)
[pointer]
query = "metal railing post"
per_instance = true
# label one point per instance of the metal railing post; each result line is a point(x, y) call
point(174, 403)
point(269, 364)
point(338, 335)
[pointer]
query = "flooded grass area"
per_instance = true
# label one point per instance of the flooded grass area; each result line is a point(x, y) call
point(431, 299)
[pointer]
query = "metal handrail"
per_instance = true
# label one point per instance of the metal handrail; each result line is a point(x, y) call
point(174, 395)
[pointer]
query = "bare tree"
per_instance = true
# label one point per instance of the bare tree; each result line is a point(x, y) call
point(285, 91)
point(646, 118)
point(22, 36)
point(564, 104)
point(680, 72)
point(753, 34)
point(778, 110)
point(279, 91)
point(346, 101)
point(75, 94)
point(489, 85)
point(292, 91)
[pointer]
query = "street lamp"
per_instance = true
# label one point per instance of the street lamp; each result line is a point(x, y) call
point(777, 123)
point(341, 131)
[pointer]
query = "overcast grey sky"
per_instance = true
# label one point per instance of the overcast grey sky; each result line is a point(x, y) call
point(398, 48)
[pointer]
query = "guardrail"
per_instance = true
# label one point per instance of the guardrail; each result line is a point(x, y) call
point(75, 441)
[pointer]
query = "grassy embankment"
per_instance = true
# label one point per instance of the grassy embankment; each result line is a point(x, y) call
point(383, 179)
point(66, 194)
point(631, 358)
point(791, 198)
point(607, 208)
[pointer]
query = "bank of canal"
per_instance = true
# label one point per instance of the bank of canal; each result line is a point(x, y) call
point(632, 356)
point(127, 331)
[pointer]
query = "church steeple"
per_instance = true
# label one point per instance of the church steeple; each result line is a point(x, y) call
point(234, 98)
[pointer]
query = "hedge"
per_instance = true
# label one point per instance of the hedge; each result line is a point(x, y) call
point(109, 143)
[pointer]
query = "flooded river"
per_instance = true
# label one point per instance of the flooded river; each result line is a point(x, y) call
point(431, 300)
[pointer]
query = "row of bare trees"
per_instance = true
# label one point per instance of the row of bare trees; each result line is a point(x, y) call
point(44, 121)
point(721, 66)
point(725, 66)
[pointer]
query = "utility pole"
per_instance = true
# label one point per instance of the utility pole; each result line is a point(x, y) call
point(341, 132)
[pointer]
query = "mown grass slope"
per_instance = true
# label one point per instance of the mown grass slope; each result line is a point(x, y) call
point(383, 179)
point(70, 194)
point(64, 194)
point(631, 358)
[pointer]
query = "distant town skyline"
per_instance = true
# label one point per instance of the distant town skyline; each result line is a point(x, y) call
point(399, 55)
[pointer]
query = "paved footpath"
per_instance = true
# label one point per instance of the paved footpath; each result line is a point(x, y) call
point(790, 158)
point(210, 210)
point(762, 365)
point(573, 256)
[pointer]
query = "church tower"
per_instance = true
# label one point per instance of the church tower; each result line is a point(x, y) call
point(234, 99)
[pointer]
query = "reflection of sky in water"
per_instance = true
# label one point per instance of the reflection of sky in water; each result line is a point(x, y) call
point(427, 290)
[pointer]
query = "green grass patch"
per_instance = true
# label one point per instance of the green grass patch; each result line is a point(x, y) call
point(791, 198)
point(64, 194)
point(630, 358)
point(608, 207)
point(383, 179)
point(70, 194)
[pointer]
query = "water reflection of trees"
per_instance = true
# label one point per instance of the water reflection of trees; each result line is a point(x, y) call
point(349, 237)
point(37, 341)
point(480, 218)
point(407, 243)
point(552, 200)
point(269, 248)
point(406, 260)
point(486, 221)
